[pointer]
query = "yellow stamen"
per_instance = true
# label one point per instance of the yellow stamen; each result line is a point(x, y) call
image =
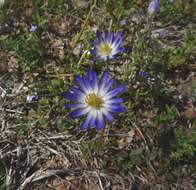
point(93, 100)
point(104, 49)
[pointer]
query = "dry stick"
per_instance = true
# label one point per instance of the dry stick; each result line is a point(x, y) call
point(39, 175)
point(100, 182)
point(138, 130)
point(110, 26)
point(10, 111)
point(82, 58)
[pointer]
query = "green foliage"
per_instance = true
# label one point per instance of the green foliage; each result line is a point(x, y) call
point(167, 116)
point(126, 160)
point(171, 11)
point(56, 86)
point(21, 127)
point(115, 8)
point(179, 11)
point(91, 148)
point(58, 8)
point(28, 49)
point(44, 106)
point(185, 147)
point(177, 56)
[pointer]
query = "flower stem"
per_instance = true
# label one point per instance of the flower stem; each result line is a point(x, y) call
point(105, 134)
point(78, 36)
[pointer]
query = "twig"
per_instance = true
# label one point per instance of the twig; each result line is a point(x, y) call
point(39, 175)
point(100, 183)
point(11, 111)
point(139, 131)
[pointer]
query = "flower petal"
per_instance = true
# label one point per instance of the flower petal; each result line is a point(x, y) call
point(71, 96)
point(92, 78)
point(117, 40)
point(114, 101)
point(106, 36)
point(88, 85)
point(74, 105)
point(93, 118)
point(93, 42)
point(120, 49)
point(80, 81)
point(111, 38)
point(99, 122)
point(85, 123)
point(108, 115)
point(75, 90)
point(115, 91)
point(105, 87)
point(116, 109)
point(99, 36)
point(78, 112)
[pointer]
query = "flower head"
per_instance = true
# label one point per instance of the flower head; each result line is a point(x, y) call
point(30, 98)
point(33, 28)
point(143, 76)
point(95, 98)
point(153, 6)
point(107, 46)
point(122, 22)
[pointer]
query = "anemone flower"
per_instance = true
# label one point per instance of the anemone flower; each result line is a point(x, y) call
point(142, 75)
point(33, 28)
point(153, 6)
point(107, 46)
point(95, 98)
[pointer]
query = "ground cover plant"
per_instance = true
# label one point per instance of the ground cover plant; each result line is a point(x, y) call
point(97, 95)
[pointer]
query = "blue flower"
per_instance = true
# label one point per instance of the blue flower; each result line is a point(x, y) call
point(95, 98)
point(33, 28)
point(153, 6)
point(142, 75)
point(122, 22)
point(107, 46)
point(30, 98)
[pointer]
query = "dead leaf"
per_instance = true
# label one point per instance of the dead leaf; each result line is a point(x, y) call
point(190, 111)
point(58, 185)
point(124, 142)
point(3, 67)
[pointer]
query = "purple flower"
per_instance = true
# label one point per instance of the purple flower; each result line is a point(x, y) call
point(153, 6)
point(141, 75)
point(160, 33)
point(95, 98)
point(107, 46)
point(30, 98)
point(123, 22)
point(33, 28)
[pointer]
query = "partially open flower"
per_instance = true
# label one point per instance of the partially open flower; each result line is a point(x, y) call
point(33, 28)
point(107, 46)
point(153, 6)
